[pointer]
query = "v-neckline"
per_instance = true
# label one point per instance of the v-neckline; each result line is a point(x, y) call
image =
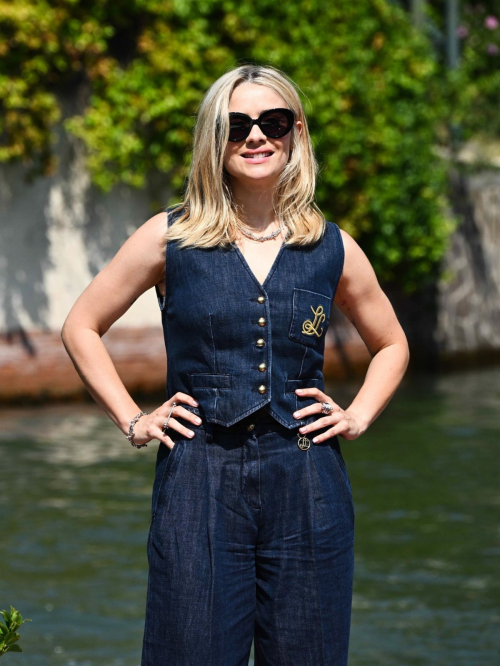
point(262, 285)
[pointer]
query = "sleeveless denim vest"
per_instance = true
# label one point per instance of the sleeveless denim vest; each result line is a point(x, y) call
point(237, 345)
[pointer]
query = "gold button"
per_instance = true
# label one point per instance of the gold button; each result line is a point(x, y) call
point(262, 388)
point(262, 321)
point(260, 342)
point(262, 367)
point(250, 426)
point(261, 299)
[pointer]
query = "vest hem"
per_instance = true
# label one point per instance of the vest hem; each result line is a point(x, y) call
point(240, 416)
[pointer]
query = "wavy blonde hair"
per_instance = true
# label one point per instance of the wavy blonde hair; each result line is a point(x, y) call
point(210, 213)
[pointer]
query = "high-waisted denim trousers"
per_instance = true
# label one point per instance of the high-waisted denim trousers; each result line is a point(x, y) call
point(251, 537)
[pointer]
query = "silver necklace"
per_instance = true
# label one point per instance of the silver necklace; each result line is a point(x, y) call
point(249, 234)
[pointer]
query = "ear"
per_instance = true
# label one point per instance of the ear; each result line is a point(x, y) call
point(298, 129)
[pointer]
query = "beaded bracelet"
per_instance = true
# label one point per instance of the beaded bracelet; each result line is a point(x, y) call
point(131, 433)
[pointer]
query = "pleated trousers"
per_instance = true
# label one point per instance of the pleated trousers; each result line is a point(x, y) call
point(251, 538)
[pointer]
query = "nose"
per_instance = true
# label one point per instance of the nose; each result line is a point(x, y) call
point(256, 134)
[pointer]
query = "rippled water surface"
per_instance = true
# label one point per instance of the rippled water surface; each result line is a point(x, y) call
point(74, 513)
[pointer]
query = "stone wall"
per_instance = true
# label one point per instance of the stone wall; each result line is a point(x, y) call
point(468, 321)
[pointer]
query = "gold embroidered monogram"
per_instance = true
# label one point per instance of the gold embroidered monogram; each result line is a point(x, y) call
point(311, 327)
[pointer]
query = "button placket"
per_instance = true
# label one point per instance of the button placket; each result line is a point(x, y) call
point(262, 367)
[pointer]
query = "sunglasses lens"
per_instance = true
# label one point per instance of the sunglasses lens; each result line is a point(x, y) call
point(238, 128)
point(276, 124)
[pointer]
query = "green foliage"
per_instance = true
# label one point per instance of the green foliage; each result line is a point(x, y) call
point(8, 631)
point(369, 82)
point(476, 84)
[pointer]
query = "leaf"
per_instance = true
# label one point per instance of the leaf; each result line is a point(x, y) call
point(13, 648)
point(6, 616)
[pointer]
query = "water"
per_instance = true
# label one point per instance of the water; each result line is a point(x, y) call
point(74, 512)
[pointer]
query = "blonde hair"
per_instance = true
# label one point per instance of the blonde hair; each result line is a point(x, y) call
point(210, 214)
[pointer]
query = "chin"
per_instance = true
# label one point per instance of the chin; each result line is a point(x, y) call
point(256, 175)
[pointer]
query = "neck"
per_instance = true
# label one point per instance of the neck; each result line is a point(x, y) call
point(255, 205)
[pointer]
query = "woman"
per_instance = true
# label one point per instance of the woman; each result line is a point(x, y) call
point(252, 527)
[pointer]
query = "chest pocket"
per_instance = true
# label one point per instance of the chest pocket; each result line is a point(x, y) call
point(310, 317)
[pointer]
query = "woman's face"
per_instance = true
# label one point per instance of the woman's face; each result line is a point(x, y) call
point(253, 99)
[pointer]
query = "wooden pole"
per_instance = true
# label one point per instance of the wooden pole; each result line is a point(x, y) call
point(417, 12)
point(452, 50)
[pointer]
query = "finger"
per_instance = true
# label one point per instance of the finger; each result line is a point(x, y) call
point(318, 424)
point(175, 425)
point(315, 393)
point(315, 408)
point(181, 412)
point(158, 433)
point(182, 397)
point(336, 430)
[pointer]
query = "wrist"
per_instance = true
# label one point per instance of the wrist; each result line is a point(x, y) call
point(361, 419)
point(128, 416)
point(130, 432)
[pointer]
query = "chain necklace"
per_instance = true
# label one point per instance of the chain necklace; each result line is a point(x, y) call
point(249, 234)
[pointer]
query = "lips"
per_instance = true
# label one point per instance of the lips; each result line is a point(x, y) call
point(257, 155)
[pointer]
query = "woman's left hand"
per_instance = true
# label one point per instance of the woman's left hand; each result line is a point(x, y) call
point(344, 422)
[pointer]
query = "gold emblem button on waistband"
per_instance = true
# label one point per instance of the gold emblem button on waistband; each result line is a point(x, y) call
point(250, 426)
point(303, 443)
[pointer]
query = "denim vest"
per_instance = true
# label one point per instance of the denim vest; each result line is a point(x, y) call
point(237, 345)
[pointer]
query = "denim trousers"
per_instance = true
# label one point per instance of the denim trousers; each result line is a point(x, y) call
point(251, 538)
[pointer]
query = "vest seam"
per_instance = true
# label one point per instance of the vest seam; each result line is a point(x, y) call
point(340, 243)
point(162, 300)
point(299, 377)
point(212, 338)
point(166, 261)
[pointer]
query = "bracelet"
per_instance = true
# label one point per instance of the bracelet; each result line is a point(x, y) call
point(131, 433)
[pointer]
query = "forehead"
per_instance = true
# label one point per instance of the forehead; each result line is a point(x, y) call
point(253, 99)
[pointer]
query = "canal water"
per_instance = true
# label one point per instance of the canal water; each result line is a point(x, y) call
point(74, 514)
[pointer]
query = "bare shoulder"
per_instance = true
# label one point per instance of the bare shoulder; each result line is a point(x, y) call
point(146, 246)
point(151, 233)
point(358, 274)
point(361, 299)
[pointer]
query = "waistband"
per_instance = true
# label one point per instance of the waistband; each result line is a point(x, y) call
point(259, 417)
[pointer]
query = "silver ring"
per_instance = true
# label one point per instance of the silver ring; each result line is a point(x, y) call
point(165, 425)
point(326, 408)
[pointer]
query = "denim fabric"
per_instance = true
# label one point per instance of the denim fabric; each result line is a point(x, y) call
point(212, 321)
point(250, 537)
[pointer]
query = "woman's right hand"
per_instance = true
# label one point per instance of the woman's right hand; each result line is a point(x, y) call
point(150, 426)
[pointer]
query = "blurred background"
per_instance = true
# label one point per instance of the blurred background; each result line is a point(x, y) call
point(97, 105)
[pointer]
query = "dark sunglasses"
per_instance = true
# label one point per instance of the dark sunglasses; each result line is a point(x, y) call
point(274, 123)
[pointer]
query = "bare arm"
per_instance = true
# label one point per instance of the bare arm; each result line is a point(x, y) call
point(361, 299)
point(136, 267)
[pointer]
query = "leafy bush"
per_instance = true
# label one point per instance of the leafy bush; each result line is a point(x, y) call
point(9, 635)
point(476, 84)
point(369, 81)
